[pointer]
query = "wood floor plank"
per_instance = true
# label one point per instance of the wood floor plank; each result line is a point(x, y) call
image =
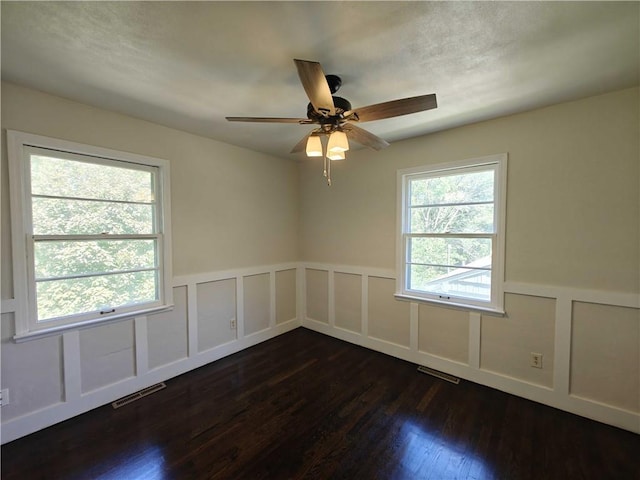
point(307, 406)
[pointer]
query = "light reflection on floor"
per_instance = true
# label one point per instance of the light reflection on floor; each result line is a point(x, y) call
point(425, 455)
point(147, 464)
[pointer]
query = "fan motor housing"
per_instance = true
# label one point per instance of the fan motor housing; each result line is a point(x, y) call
point(341, 105)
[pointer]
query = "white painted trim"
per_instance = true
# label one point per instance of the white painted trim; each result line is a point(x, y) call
point(340, 333)
point(272, 298)
point(240, 330)
point(386, 346)
point(562, 346)
point(355, 270)
point(538, 393)
point(76, 403)
point(455, 165)
point(401, 220)
point(364, 310)
point(603, 297)
point(301, 297)
point(331, 298)
point(448, 304)
point(58, 329)
point(34, 421)
point(192, 318)
point(18, 242)
point(558, 396)
point(181, 280)
point(414, 319)
point(164, 177)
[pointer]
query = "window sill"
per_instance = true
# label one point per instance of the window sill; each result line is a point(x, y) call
point(498, 312)
point(59, 329)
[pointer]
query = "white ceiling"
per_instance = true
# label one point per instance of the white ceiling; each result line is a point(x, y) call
point(187, 65)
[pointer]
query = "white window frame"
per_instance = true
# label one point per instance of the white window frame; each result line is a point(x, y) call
point(496, 304)
point(26, 322)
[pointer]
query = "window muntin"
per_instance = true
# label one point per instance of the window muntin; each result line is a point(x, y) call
point(94, 225)
point(451, 234)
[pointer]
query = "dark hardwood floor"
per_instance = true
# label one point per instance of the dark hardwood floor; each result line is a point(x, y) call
point(304, 405)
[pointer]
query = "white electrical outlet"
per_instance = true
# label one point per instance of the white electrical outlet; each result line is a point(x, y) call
point(536, 360)
point(232, 324)
point(4, 397)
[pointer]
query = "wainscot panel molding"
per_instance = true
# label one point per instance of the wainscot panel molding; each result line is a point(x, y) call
point(75, 402)
point(558, 395)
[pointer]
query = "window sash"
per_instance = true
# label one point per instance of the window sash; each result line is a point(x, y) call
point(434, 294)
point(121, 164)
point(37, 323)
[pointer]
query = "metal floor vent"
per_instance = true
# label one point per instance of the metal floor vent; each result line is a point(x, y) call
point(441, 375)
point(138, 395)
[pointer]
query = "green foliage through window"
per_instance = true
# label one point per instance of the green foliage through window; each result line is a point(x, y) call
point(94, 225)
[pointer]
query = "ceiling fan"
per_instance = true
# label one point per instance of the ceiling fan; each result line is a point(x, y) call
point(336, 117)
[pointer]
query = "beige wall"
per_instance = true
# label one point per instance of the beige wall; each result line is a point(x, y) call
point(606, 354)
point(572, 264)
point(231, 207)
point(573, 206)
point(348, 301)
point(507, 342)
point(444, 332)
point(167, 332)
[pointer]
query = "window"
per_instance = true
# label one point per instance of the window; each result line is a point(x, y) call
point(90, 233)
point(451, 224)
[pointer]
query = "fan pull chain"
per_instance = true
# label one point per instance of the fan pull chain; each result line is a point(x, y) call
point(324, 173)
point(328, 171)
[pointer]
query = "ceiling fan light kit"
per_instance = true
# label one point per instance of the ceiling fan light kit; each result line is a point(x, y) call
point(334, 115)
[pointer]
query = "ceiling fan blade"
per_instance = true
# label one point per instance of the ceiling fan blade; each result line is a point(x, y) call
point(268, 119)
point(395, 108)
point(316, 86)
point(302, 144)
point(365, 138)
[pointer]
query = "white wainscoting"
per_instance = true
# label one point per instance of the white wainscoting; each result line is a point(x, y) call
point(75, 401)
point(554, 389)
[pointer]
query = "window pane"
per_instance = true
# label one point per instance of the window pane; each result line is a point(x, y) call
point(67, 258)
point(80, 295)
point(68, 178)
point(457, 219)
point(53, 216)
point(461, 282)
point(461, 188)
point(456, 252)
